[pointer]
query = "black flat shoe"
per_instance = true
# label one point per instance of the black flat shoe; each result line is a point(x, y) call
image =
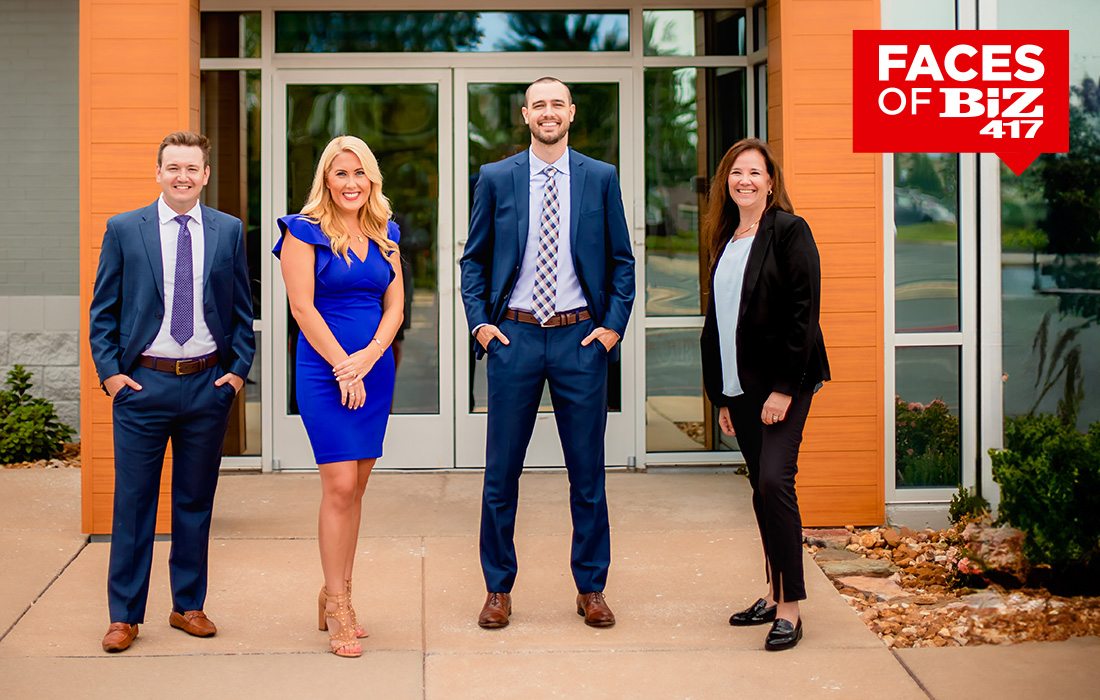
point(757, 614)
point(783, 635)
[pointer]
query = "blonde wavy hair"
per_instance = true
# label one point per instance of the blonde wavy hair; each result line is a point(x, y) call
point(375, 213)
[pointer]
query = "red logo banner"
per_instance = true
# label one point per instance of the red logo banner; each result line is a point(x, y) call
point(988, 91)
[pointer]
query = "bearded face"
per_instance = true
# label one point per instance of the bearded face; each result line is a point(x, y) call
point(548, 112)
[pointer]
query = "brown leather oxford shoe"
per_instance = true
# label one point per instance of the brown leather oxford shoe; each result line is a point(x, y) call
point(193, 622)
point(119, 637)
point(495, 612)
point(595, 610)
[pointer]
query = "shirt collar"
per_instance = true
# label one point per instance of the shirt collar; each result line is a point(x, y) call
point(167, 215)
point(538, 165)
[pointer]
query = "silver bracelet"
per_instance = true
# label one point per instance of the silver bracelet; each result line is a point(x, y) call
point(381, 347)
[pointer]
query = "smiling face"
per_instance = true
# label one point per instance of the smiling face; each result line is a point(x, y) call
point(181, 176)
point(347, 182)
point(749, 182)
point(548, 111)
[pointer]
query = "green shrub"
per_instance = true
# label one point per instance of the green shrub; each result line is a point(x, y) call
point(966, 504)
point(29, 426)
point(926, 444)
point(1050, 488)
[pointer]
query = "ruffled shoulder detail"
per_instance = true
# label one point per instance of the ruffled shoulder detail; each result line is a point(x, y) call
point(301, 228)
point(393, 231)
point(308, 232)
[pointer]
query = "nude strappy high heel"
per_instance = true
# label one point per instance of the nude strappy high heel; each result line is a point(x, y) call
point(360, 633)
point(338, 622)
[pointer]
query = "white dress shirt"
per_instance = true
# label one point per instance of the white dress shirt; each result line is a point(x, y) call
point(202, 342)
point(569, 293)
point(729, 278)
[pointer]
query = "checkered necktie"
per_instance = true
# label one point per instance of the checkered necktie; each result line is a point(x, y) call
point(546, 265)
point(183, 297)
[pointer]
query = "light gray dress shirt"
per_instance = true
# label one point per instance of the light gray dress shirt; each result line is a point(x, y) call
point(729, 278)
point(569, 294)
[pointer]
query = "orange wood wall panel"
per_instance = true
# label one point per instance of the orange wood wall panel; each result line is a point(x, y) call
point(138, 77)
point(847, 259)
point(841, 479)
point(841, 504)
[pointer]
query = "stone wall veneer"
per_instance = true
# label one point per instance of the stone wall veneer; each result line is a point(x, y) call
point(52, 358)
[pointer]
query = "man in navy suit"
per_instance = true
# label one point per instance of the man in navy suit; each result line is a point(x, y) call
point(548, 284)
point(171, 338)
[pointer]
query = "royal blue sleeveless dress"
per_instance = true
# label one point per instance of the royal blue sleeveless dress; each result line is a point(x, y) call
point(349, 299)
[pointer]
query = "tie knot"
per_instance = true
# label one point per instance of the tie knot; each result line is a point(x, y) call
point(550, 172)
point(182, 219)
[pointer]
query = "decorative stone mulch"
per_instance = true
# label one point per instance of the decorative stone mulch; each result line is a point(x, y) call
point(909, 587)
point(68, 459)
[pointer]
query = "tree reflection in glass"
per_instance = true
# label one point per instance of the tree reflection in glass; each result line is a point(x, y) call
point(496, 130)
point(401, 125)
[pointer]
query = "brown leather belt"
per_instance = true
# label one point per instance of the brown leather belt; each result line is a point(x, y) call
point(565, 318)
point(179, 367)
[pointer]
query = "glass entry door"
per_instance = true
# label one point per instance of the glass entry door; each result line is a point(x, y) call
point(488, 127)
point(405, 117)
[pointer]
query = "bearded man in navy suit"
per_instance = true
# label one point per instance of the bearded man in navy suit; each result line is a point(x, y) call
point(171, 338)
point(548, 285)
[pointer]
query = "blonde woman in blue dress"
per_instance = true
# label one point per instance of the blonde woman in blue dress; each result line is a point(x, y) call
point(342, 270)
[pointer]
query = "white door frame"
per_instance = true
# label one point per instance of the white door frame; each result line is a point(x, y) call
point(406, 445)
point(545, 448)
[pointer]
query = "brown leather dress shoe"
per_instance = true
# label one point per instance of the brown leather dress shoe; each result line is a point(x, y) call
point(193, 622)
point(594, 609)
point(119, 637)
point(495, 612)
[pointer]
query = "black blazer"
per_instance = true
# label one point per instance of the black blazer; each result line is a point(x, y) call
point(779, 342)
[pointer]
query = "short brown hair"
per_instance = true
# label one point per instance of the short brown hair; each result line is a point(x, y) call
point(548, 79)
point(186, 138)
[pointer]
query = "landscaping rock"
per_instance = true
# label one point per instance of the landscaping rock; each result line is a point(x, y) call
point(933, 610)
point(836, 538)
point(892, 537)
point(836, 555)
point(881, 588)
point(869, 540)
point(1000, 551)
point(857, 567)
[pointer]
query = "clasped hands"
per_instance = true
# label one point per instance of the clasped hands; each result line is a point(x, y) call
point(349, 374)
point(606, 336)
point(774, 411)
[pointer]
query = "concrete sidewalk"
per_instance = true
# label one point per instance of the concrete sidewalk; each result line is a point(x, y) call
point(686, 555)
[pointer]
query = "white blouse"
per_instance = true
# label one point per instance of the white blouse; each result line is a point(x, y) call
point(729, 278)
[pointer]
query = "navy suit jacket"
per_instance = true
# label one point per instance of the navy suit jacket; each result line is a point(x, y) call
point(128, 301)
point(601, 246)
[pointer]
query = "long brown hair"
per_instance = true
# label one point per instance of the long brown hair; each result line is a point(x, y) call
point(722, 217)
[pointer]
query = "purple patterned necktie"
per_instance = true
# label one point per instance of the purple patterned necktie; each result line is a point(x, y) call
point(183, 297)
point(546, 265)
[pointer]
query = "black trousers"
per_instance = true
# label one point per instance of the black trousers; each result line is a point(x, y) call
point(771, 454)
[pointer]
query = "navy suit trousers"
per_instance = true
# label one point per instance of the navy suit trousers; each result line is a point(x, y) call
point(578, 387)
point(192, 412)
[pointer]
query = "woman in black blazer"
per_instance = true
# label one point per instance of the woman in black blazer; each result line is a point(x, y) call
point(763, 358)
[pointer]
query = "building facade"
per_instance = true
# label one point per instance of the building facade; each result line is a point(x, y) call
point(951, 296)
